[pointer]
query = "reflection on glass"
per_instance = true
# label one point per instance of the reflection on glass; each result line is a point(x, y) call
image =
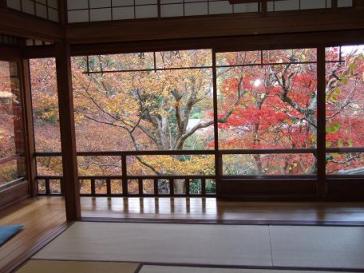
point(269, 164)
point(12, 165)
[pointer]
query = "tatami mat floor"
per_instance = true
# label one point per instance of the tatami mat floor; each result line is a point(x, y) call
point(197, 248)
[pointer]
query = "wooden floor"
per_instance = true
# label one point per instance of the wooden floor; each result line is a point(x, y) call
point(208, 209)
point(42, 218)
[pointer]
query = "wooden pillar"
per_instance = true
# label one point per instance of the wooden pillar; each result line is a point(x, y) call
point(28, 127)
point(159, 9)
point(62, 7)
point(334, 4)
point(3, 4)
point(359, 4)
point(68, 140)
point(263, 6)
point(218, 156)
point(321, 123)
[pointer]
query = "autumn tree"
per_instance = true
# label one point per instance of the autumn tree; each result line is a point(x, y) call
point(274, 106)
point(163, 101)
point(345, 107)
point(160, 105)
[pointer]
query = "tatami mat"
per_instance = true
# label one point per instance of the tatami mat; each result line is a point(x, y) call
point(162, 243)
point(175, 269)
point(312, 246)
point(224, 245)
point(35, 266)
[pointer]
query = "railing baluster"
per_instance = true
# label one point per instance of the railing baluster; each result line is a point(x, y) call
point(124, 175)
point(187, 181)
point(124, 178)
point(48, 189)
point(203, 186)
point(93, 188)
point(140, 186)
point(156, 188)
point(171, 187)
point(108, 186)
point(61, 185)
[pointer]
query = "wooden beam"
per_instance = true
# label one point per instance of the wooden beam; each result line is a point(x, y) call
point(47, 51)
point(216, 26)
point(8, 53)
point(252, 42)
point(24, 25)
point(68, 140)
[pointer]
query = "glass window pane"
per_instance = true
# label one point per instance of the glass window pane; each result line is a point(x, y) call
point(12, 165)
point(268, 106)
point(345, 98)
point(269, 164)
point(345, 163)
point(45, 105)
point(168, 109)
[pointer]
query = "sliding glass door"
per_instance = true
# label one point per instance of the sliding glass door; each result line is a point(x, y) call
point(12, 160)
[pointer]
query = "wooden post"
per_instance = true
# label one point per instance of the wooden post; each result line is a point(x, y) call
point(263, 7)
point(63, 13)
point(68, 139)
point(334, 4)
point(321, 123)
point(3, 4)
point(359, 4)
point(218, 161)
point(29, 128)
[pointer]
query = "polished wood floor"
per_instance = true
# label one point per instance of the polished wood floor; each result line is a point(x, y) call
point(211, 210)
point(42, 218)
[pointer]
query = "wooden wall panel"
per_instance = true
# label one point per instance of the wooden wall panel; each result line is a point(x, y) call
point(13, 194)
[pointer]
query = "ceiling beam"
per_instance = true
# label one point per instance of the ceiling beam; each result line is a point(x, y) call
point(9, 53)
point(216, 26)
point(253, 42)
point(23, 25)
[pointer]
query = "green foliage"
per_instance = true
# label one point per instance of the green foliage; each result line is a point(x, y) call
point(333, 127)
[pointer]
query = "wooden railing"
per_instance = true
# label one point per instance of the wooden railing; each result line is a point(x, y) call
point(119, 185)
point(199, 185)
